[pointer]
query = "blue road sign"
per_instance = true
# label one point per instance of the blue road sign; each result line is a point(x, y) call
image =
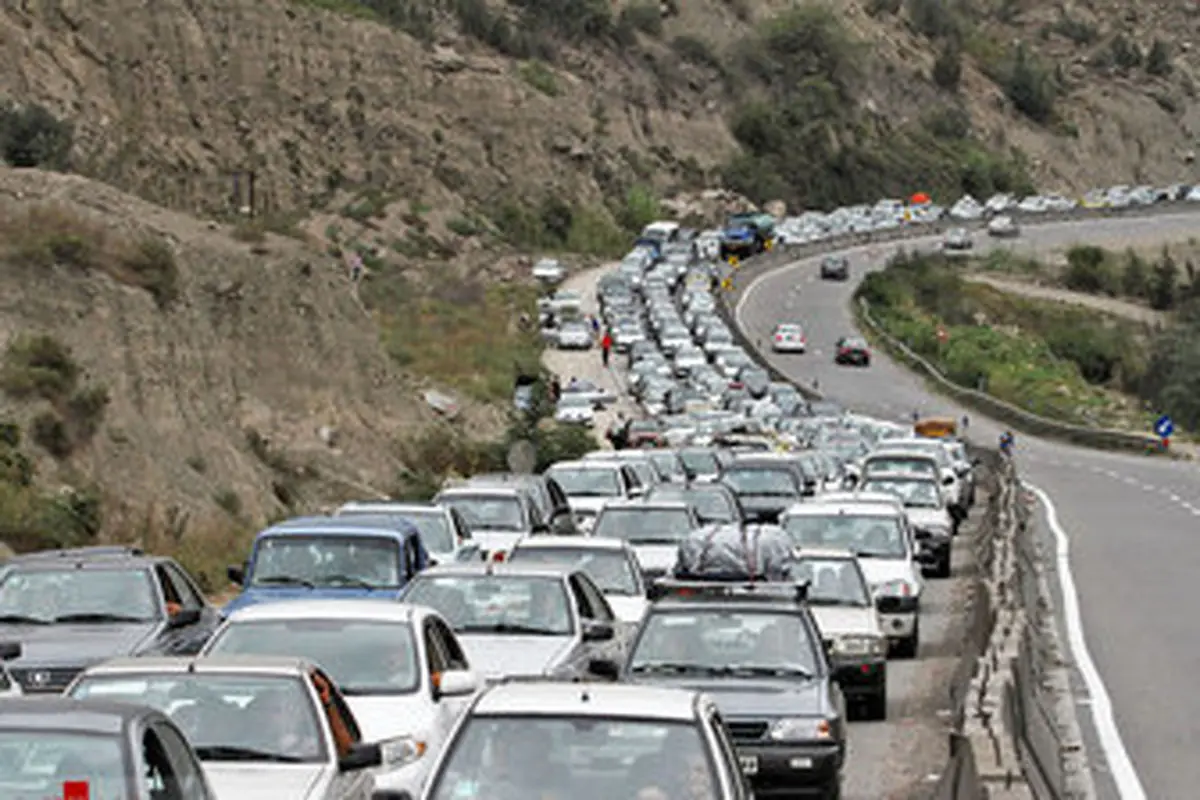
point(1164, 427)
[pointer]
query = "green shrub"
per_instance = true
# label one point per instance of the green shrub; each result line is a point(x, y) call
point(934, 18)
point(50, 433)
point(947, 68)
point(540, 77)
point(1090, 270)
point(700, 52)
point(151, 265)
point(1124, 52)
point(85, 411)
point(30, 136)
point(38, 365)
point(644, 16)
point(1158, 62)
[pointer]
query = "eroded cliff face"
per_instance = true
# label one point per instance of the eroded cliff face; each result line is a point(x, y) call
point(225, 390)
point(171, 98)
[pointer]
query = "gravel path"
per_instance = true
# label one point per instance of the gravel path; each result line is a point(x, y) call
point(587, 364)
point(1108, 305)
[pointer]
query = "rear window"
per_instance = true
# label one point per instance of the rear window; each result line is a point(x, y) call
point(644, 525)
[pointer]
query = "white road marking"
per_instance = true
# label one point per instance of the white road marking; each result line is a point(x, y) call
point(1124, 775)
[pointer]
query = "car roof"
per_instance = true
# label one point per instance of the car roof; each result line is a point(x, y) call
point(602, 463)
point(375, 525)
point(646, 505)
point(571, 543)
point(102, 557)
point(892, 450)
point(550, 698)
point(265, 665)
point(907, 477)
point(501, 570)
point(841, 509)
point(481, 490)
point(826, 553)
point(390, 508)
point(347, 608)
point(58, 713)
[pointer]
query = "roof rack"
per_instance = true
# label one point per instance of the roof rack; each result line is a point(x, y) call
point(733, 589)
point(97, 551)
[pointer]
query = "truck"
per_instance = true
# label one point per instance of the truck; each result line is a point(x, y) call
point(746, 235)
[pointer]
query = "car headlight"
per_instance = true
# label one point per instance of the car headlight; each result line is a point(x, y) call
point(398, 752)
point(859, 646)
point(896, 588)
point(801, 729)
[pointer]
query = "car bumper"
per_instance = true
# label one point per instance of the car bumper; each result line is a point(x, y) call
point(789, 348)
point(898, 625)
point(790, 770)
point(861, 677)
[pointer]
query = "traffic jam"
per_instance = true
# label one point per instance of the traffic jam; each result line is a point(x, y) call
point(699, 612)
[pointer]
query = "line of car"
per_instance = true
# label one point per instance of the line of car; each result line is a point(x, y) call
point(518, 635)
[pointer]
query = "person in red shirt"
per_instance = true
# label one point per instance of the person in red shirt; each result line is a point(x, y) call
point(606, 347)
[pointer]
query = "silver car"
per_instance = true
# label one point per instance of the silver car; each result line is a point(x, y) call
point(574, 336)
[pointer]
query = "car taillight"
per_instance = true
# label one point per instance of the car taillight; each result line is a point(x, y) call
point(498, 556)
point(779, 337)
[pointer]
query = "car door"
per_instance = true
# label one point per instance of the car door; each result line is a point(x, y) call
point(182, 762)
point(168, 769)
point(195, 634)
point(343, 734)
point(168, 639)
point(443, 653)
point(734, 775)
point(593, 609)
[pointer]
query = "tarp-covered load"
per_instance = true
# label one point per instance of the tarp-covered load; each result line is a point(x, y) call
point(735, 553)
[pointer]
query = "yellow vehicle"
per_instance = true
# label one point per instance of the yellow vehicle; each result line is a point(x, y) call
point(936, 428)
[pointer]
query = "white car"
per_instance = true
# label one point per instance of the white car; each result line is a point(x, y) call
point(611, 563)
point(653, 528)
point(625, 738)
point(957, 239)
point(444, 532)
point(401, 668)
point(575, 409)
point(549, 270)
point(1003, 226)
point(574, 336)
point(841, 603)
point(262, 727)
point(789, 338)
point(879, 535)
point(561, 302)
point(589, 485)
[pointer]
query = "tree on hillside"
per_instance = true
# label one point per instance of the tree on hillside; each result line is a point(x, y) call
point(947, 69)
point(1165, 284)
point(1135, 280)
point(1158, 62)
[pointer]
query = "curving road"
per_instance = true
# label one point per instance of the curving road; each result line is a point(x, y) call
point(1133, 523)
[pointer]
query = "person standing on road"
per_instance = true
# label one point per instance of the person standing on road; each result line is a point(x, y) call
point(555, 390)
point(966, 423)
point(595, 323)
point(606, 347)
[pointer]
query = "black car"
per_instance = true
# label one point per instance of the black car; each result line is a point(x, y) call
point(853, 352)
point(756, 650)
point(73, 608)
point(111, 749)
point(766, 484)
point(835, 268)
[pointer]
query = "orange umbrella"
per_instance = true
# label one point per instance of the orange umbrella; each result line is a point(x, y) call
point(919, 199)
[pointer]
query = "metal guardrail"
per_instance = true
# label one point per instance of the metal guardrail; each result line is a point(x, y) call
point(1019, 418)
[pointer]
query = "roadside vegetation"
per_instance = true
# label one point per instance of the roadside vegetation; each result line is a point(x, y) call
point(1059, 361)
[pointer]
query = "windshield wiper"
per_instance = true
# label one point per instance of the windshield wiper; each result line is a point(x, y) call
point(21, 619)
point(508, 627)
point(347, 581)
point(668, 666)
point(231, 753)
point(873, 554)
point(654, 540)
point(98, 617)
point(756, 669)
point(282, 580)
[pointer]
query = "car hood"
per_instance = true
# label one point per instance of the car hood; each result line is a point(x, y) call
point(592, 504)
point(383, 717)
point(501, 655)
point(882, 570)
point(846, 621)
point(626, 608)
point(74, 645)
point(751, 698)
point(258, 781)
point(257, 595)
point(929, 517)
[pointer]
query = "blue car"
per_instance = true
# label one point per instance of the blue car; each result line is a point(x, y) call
point(328, 558)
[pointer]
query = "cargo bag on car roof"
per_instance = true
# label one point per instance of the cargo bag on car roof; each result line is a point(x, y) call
point(735, 553)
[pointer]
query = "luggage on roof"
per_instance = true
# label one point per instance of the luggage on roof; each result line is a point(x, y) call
point(735, 553)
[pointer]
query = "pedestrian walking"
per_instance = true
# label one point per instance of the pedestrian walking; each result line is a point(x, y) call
point(595, 321)
point(606, 347)
point(555, 390)
point(966, 423)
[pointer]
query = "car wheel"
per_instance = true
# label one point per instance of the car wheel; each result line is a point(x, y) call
point(875, 708)
point(907, 647)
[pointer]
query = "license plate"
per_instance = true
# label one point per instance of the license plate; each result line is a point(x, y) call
point(800, 763)
point(749, 764)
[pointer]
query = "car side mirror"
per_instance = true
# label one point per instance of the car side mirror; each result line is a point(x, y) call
point(361, 756)
point(921, 535)
point(10, 651)
point(637, 491)
point(598, 632)
point(184, 617)
point(540, 529)
point(236, 574)
point(457, 683)
point(948, 480)
point(604, 668)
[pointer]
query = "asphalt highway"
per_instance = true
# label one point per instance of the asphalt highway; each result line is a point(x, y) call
point(1132, 522)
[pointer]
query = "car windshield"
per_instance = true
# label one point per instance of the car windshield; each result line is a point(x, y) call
point(37, 763)
point(487, 512)
point(832, 581)
point(710, 503)
point(362, 656)
point(868, 536)
point(900, 464)
point(725, 642)
point(496, 604)
point(77, 595)
point(226, 717)
point(610, 569)
point(913, 493)
point(700, 462)
point(644, 525)
point(430, 522)
point(365, 562)
point(581, 482)
point(761, 481)
point(544, 756)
